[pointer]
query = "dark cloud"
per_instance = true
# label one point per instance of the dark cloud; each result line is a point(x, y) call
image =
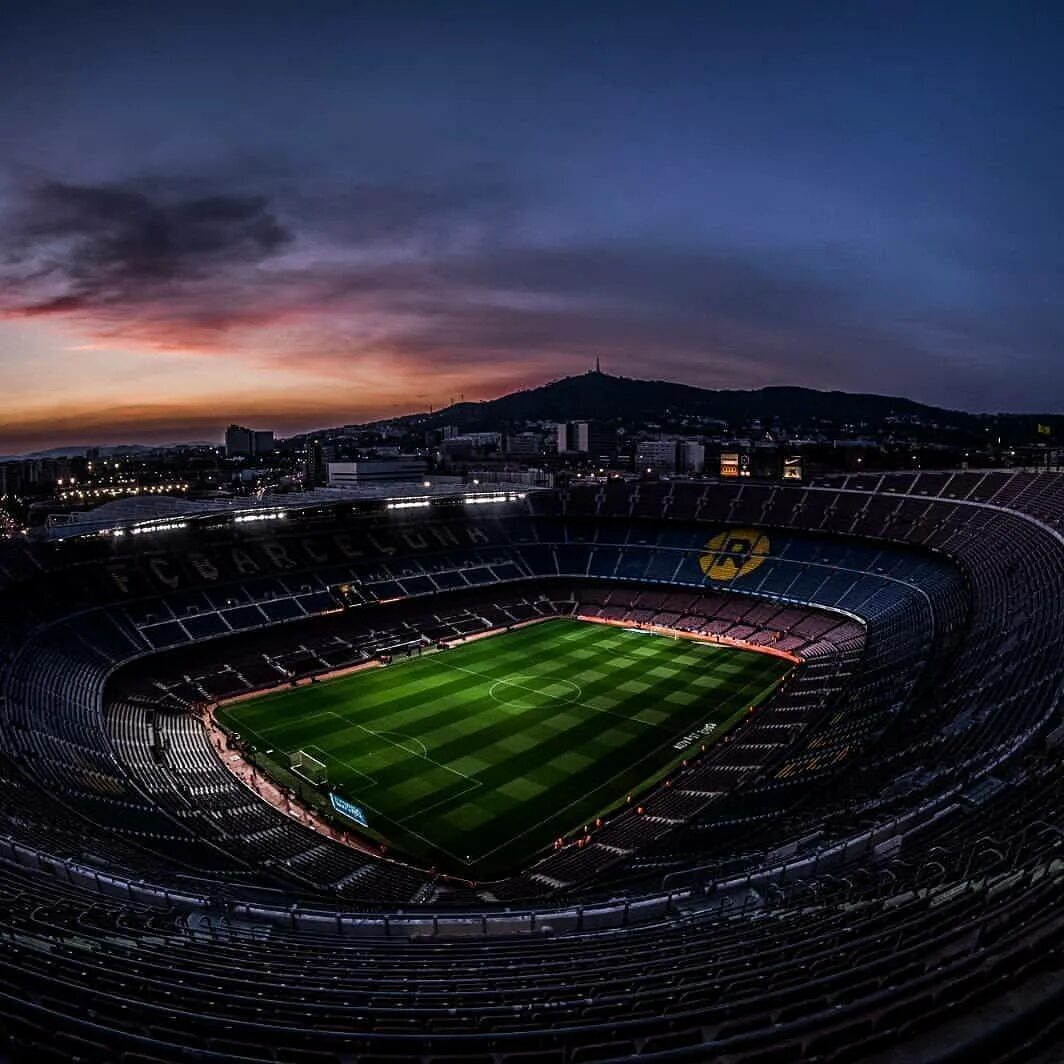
point(450, 277)
point(836, 195)
point(77, 247)
point(177, 262)
point(441, 275)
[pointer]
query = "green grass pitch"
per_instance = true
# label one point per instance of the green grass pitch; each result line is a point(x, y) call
point(476, 758)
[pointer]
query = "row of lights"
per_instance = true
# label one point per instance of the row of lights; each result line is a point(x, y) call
point(279, 515)
point(412, 504)
point(140, 530)
point(473, 500)
point(275, 515)
point(508, 496)
point(133, 489)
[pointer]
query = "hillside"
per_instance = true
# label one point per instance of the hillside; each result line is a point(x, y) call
point(598, 395)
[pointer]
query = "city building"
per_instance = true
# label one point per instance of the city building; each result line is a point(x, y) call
point(524, 444)
point(316, 463)
point(603, 442)
point(658, 456)
point(692, 456)
point(671, 456)
point(241, 442)
point(475, 441)
point(573, 437)
point(469, 445)
point(353, 474)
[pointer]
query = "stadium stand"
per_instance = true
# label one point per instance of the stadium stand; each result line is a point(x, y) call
point(870, 868)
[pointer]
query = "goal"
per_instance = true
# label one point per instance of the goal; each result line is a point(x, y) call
point(309, 768)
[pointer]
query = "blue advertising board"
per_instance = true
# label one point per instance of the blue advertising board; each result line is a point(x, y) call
point(348, 809)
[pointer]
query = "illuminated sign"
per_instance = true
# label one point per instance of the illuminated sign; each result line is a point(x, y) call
point(733, 464)
point(735, 553)
point(792, 468)
point(348, 809)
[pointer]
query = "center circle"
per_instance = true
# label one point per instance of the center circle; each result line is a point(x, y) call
point(534, 692)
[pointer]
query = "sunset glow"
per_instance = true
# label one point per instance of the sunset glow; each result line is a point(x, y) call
point(316, 221)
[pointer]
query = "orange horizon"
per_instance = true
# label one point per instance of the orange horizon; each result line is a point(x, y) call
point(173, 423)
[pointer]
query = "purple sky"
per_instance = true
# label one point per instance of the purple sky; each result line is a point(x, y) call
point(306, 214)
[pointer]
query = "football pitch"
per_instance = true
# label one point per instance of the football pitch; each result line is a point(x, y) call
point(475, 759)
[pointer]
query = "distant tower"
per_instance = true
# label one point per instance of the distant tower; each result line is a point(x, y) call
point(598, 365)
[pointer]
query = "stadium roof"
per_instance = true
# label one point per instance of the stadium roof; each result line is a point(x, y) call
point(144, 513)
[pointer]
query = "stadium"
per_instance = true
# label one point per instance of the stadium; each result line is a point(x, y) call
point(677, 770)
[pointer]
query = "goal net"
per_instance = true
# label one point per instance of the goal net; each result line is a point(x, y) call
point(310, 768)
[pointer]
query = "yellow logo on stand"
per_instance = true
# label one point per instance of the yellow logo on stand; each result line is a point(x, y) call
point(734, 553)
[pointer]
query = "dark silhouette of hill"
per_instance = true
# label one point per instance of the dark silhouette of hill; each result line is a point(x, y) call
point(597, 395)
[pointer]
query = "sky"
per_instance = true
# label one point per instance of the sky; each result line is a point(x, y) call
point(296, 215)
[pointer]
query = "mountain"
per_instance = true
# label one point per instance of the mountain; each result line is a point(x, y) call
point(597, 395)
point(105, 450)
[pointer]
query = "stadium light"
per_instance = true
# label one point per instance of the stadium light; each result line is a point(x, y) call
point(272, 515)
point(412, 504)
point(163, 526)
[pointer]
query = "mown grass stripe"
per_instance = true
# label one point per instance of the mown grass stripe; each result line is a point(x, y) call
point(500, 776)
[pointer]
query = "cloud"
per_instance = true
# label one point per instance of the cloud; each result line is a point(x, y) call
point(719, 317)
point(179, 265)
point(442, 278)
point(377, 287)
point(110, 251)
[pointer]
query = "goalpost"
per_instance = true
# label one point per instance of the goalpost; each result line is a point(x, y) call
point(309, 768)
